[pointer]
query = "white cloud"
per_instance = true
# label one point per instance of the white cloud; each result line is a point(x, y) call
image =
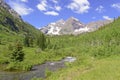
point(107, 18)
point(52, 13)
point(20, 8)
point(49, 9)
point(100, 9)
point(24, 0)
point(116, 6)
point(55, 1)
point(58, 8)
point(42, 6)
point(79, 6)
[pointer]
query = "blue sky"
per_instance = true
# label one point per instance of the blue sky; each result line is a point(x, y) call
point(42, 12)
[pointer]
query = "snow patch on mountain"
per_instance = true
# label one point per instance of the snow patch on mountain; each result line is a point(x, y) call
point(82, 30)
point(72, 26)
point(54, 30)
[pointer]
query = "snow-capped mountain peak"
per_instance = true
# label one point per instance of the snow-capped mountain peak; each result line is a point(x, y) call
point(71, 26)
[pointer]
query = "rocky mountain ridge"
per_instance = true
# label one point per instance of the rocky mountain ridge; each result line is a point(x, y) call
point(72, 26)
point(12, 23)
point(3, 5)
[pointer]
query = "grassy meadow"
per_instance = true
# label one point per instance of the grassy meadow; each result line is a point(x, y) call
point(97, 54)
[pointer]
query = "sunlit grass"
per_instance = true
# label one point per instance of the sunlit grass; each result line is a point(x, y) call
point(103, 69)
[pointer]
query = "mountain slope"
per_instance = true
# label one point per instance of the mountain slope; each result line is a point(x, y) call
point(72, 26)
point(63, 27)
point(12, 23)
point(97, 24)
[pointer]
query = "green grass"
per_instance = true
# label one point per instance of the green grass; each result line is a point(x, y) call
point(97, 54)
point(91, 51)
point(103, 69)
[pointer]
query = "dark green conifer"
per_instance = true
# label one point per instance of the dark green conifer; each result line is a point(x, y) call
point(17, 54)
point(41, 41)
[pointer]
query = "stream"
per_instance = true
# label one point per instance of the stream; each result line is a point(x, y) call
point(37, 71)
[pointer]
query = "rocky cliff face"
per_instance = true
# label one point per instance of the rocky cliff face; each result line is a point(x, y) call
point(61, 27)
point(96, 25)
point(72, 26)
point(9, 9)
point(53, 28)
point(11, 22)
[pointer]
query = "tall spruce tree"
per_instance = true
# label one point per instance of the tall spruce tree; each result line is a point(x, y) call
point(0, 41)
point(28, 40)
point(41, 41)
point(17, 54)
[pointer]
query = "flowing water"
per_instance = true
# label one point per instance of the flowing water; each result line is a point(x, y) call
point(37, 71)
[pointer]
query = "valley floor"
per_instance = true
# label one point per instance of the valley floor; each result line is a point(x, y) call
point(102, 69)
point(97, 54)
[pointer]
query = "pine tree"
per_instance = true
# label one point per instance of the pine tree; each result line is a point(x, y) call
point(0, 41)
point(26, 41)
point(31, 40)
point(17, 54)
point(48, 43)
point(41, 41)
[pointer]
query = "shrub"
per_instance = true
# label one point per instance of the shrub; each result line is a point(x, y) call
point(17, 54)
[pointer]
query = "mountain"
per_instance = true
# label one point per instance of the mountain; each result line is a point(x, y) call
point(11, 22)
point(72, 26)
point(53, 28)
point(3, 5)
point(97, 24)
point(63, 27)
